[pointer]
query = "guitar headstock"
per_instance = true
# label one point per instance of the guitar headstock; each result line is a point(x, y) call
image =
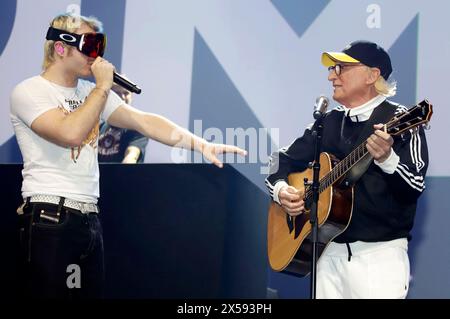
point(419, 114)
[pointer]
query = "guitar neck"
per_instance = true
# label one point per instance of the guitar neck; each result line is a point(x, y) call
point(339, 170)
point(344, 166)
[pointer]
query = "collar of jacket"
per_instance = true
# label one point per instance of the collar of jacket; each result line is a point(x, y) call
point(363, 112)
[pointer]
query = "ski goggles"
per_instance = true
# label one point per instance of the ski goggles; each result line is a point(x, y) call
point(90, 44)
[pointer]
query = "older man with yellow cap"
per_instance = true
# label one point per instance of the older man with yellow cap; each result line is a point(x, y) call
point(369, 259)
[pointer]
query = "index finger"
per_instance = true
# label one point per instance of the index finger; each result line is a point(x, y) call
point(293, 190)
point(378, 126)
point(234, 149)
point(382, 134)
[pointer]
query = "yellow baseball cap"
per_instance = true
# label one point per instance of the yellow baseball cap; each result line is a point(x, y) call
point(365, 52)
point(331, 58)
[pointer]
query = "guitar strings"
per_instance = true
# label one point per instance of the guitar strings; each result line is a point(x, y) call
point(346, 164)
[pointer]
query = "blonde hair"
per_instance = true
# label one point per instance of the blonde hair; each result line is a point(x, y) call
point(70, 23)
point(385, 88)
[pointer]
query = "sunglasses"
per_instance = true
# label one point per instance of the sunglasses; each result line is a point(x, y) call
point(90, 44)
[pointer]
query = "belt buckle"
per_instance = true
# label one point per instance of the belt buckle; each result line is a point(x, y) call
point(82, 207)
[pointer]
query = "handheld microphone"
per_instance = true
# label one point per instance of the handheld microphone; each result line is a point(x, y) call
point(126, 84)
point(320, 107)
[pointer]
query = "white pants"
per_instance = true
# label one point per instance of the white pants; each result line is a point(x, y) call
point(375, 270)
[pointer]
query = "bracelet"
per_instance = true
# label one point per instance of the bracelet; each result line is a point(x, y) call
point(104, 92)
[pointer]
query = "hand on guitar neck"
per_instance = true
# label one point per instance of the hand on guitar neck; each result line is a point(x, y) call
point(379, 144)
point(291, 200)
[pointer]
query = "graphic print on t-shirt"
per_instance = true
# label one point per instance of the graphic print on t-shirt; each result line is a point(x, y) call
point(73, 104)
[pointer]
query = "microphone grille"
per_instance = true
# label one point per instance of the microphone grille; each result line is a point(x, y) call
point(322, 102)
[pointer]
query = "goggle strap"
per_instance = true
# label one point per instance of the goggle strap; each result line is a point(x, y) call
point(61, 35)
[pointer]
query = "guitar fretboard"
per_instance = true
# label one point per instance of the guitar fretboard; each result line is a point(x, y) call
point(340, 169)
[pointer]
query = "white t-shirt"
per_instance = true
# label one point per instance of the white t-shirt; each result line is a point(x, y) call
point(51, 169)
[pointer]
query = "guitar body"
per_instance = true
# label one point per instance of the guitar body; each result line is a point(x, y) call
point(289, 238)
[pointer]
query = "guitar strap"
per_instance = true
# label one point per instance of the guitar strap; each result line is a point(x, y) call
point(381, 114)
